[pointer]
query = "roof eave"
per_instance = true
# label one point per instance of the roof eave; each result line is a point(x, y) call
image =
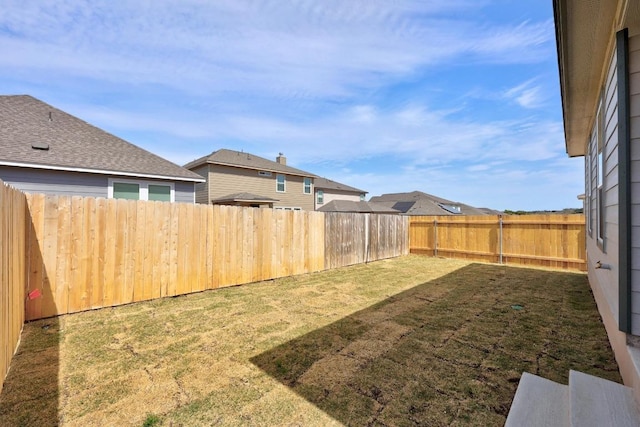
point(99, 171)
point(583, 41)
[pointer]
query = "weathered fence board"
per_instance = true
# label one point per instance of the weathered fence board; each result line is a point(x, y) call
point(353, 238)
point(556, 241)
point(14, 225)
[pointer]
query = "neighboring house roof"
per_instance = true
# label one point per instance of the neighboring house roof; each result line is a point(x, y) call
point(244, 197)
point(35, 134)
point(327, 184)
point(357, 207)
point(245, 160)
point(419, 203)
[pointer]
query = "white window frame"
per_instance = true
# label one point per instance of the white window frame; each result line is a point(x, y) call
point(600, 175)
point(320, 197)
point(284, 183)
point(588, 183)
point(304, 186)
point(143, 185)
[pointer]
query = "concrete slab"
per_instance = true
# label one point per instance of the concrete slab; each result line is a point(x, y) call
point(596, 402)
point(539, 403)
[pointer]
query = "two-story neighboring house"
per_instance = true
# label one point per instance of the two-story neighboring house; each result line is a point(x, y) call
point(327, 191)
point(46, 150)
point(244, 179)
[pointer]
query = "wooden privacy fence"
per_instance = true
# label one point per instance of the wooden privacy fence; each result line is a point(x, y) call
point(556, 241)
point(353, 238)
point(86, 253)
point(13, 220)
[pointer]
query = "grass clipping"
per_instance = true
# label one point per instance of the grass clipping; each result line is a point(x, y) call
point(408, 341)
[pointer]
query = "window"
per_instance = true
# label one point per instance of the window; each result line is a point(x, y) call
point(140, 190)
point(307, 186)
point(362, 196)
point(125, 190)
point(161, 193)
point(600, 169)
point(281, 183)
point(320, 197)
point(587, 199)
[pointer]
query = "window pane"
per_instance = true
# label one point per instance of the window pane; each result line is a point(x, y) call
point(123, 190)
point(600, 169)
point(320, 196)
point(307, 186)
point(160, 192)
point(280, 183)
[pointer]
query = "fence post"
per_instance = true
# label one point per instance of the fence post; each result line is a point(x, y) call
point(500, 237)
point(435, 237)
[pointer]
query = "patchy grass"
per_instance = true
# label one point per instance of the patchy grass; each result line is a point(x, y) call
point(409, 341)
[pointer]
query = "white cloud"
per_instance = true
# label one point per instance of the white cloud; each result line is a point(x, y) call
point(307, 48)
point(527, 94)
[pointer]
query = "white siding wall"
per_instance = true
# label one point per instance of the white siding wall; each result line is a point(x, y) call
point(606, 280)
point(330, 195)
point(634, 82)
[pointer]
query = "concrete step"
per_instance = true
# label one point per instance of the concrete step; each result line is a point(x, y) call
point(596, 402)
point(539, 403)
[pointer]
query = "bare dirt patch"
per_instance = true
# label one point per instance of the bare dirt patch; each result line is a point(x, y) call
point(409, 341)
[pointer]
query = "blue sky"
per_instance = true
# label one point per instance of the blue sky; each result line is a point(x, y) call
point(457, 98)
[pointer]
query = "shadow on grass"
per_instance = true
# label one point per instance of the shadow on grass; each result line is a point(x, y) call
point(449, 350)
point(30, 394)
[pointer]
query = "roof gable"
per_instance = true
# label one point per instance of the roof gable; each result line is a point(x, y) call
point(73, 144)
point(244, 160)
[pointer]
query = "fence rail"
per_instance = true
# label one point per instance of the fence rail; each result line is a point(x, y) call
point(86, 253)
point(13, 220)
point(556, 241)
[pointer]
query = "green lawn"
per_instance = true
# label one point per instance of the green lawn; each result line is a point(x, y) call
point(408, 341)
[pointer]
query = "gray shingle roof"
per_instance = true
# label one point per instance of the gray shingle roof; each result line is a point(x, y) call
point(245, 160)
point(357, 207)
point(73, 143)
point(419, 203)
point(327, 184)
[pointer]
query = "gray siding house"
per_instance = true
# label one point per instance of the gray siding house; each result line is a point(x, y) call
point(599, 58)
point(598, 46)
point(45, 150)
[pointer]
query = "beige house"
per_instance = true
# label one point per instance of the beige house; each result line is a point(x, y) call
point(244, 179)
point(327, 191)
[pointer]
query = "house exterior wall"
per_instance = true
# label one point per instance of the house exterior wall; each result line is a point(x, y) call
point(225, 180)
point(605, 251)
point(330, 195)
point(55, 182)
point(202, 195)
point(75, 183)
point(634, 92)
